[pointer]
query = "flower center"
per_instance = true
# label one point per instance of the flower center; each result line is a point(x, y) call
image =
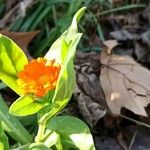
point(39, 76)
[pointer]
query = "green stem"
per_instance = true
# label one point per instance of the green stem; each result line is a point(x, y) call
point(42, 123)
point(41, 130)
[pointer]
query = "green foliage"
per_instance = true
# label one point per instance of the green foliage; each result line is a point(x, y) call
point(57, 134)
point(3, 139)
point(2, 7)
point(52, 17)
point(52, 139)
point(12, 60)
point(38, 146)
point(26, 105)
point(63, 51)
point(74, 133)
point(12, 125)
point(64, 54)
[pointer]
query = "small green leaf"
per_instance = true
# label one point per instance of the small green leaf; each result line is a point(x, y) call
point(12, 61)
point(26, 105)
point(73, 133)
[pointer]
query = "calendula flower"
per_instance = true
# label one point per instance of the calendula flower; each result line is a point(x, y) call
point(39, 76)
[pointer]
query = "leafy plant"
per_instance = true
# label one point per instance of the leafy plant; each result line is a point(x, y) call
point(3, 139)
point(45, 86)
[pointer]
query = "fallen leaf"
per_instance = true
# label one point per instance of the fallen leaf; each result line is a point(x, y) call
point(121, 141)
point(124, 35)
point(110, 44)
point(88, 93)
point(145, 38)
point(125, 83)
point(10, 4)
point(146, 15)
point(21, 38)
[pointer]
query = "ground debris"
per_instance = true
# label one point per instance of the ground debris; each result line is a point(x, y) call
point(15, 10)
point(88, 91)
point(132, 32)
point(125, 84)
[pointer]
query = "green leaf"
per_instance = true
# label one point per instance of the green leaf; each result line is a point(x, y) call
point(12, 61)
point(3, 139)
point(11, 124)
point(75, 5)
point(56, 48)
point(38, 146)
point(26, 105)
point(63, 50)
point(2, 85)
point(73, 133)
point(53, 139)
point(66, 81)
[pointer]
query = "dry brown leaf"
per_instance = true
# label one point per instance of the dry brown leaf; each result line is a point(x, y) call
point(21, 38)
point(125, 83)
point(10, 4)
point(110, 44)
point(88, 93)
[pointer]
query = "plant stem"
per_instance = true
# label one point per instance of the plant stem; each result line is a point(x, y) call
point(41, 131)
point(136, 121)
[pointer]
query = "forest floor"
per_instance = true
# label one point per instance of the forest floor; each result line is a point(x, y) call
point(124, 122)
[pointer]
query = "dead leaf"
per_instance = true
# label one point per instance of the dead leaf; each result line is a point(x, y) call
point(125, 83)
point(21, 38)
point(121, 141)
point(142, 53)
point(124, 35)
point(10, 4)
point(145, 38)
point(88, 93)
point(110, 44)
point(146, 15)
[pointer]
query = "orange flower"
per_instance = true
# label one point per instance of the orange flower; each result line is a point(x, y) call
point(39, 76)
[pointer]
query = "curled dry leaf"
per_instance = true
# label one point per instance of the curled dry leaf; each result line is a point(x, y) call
point(125, 83)
point(88, 92)
point(110, 44)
